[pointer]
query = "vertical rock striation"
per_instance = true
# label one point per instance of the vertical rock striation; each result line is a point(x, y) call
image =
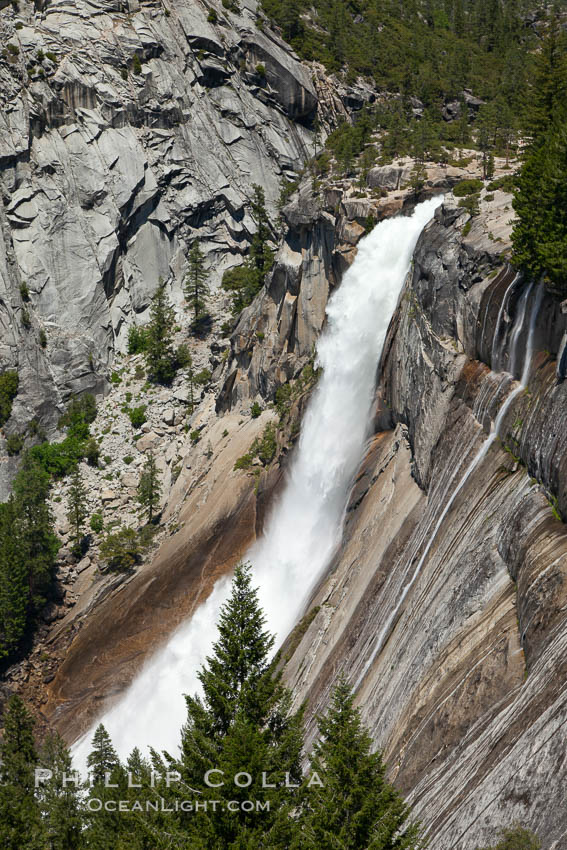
point(446, 604)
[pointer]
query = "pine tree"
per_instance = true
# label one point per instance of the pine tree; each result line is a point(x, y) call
point(261, 255)
point(149, 487)
point(20, 820)
point(14, 590)
point(235, 675)
point(356, 807)
point(59, 799)
point(196, 286)
point(539, 236)
point(160, 355)
point(28, 547)
point(103, 758)
point(77, 509)
point(105, 828)
point(34, 528)
point(547, 95)
point(243, 723)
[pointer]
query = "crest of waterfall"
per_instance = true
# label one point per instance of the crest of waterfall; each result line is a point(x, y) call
point(460, 478)
point(305, 525)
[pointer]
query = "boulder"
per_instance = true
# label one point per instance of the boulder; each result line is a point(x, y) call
point(168, 416)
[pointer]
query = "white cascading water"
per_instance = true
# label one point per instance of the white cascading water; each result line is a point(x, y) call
point(305, 525)
point(381, 638)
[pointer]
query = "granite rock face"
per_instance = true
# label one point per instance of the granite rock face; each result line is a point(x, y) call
point(126, 130)
point(445, 606)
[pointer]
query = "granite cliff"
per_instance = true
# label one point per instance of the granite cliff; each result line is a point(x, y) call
point(127, 129)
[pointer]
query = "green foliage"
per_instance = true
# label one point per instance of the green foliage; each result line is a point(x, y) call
point(137, 415)
point(261, 70)
point(348, 140)
point(92, 452)
point(9, 383)
point(540, 233)
point(77, 503)
point(245, 281)
point(287, 188)
point(58, 800)
point(43, 338)
point(28, 547)
point(26, 319)
point(203, 377)
point(243, 719)
point(471, 204)
point(243, 284)
point(20, 821)
point(103, 758)
point(516, 838)
point(268, 444)
point(430, 50)
point(255, 410)
point(138, 340)
point(212, 17)
point(115, 378)
point(59, 459)
point(14, 444)
point(149, 488)
point(195, 436)
point(160, 356)
point(81, 412)
point(263, 448)
point(96, 523)
point(356, 806)
point(183, 356)
point(467, 187)
point(122, 549)
point(24, 291)
point(136, 64)
point(507, 183)
point(243, 462)
point(196, 287)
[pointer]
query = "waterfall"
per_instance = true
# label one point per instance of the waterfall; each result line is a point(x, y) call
point(478, 458)
point(305, 525)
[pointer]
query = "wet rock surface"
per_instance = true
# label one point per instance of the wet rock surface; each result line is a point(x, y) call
point(446, 603)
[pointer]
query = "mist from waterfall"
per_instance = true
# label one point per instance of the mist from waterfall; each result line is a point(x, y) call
point(305, 525)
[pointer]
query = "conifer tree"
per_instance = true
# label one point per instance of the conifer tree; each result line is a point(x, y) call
point(196, 286)
point(59, 798)
point(355, 807)
point(547, 95)
point(242, 724)
point(34, 527)
point(261, 255)
point(20, 820)
point(77, 505)
point(103, 758)
point(160, 355)
point(105, 827)
point(14, 595)
point(149, 487)
point(540, 232)
point(28, 547)
point(244, 282)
